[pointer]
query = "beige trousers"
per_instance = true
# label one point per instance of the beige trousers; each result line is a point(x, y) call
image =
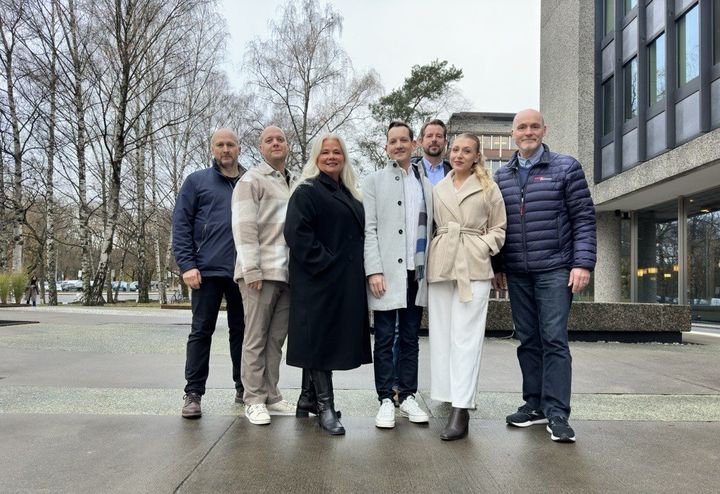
point(266, 326)
point(456, 337)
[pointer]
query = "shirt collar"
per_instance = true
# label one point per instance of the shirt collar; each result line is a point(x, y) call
point(532, 160)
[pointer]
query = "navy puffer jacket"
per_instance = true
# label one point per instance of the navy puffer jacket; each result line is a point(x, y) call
point(550, 221)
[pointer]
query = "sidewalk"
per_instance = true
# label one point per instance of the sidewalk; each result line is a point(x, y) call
point(90, 401)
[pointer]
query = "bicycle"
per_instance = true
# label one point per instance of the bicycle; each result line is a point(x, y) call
point(177, 296)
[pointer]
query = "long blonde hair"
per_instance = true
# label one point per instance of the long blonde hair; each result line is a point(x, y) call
point(347, 175)
point(479, 168)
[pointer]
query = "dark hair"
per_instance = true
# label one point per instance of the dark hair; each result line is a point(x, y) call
point(436, 121)
point(400, 123)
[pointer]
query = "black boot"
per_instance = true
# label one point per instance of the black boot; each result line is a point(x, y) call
point(327, 417)
point(457, 426)
point(307, 402)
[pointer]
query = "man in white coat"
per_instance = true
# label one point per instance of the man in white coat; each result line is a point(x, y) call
point(398, 219)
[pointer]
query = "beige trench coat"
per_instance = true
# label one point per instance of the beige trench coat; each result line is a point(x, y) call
point(470, 228)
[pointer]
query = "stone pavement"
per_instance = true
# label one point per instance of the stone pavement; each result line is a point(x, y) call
point(90, 401)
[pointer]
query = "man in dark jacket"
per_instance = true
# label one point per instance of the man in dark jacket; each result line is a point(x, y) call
point(548, 255)
point(205, 253)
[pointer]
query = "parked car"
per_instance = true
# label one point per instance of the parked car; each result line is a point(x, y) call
point(72, 285)
point(133, 286)
point(121, 286)
point(58, 287)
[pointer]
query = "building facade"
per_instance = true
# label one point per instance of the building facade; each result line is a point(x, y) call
point(632, 88)
point(493, 129)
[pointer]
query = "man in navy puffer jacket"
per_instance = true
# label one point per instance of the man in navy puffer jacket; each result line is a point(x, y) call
point(205, 253)
point(548, 255)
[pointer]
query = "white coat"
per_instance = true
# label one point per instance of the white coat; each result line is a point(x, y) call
point(385, 246)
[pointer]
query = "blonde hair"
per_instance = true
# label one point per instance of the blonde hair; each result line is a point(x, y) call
point(311, 170)
point(479, 168)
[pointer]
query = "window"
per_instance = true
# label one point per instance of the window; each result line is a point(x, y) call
point(630, 89)
point(656, 78)
point(688, 47)
point(629, 5)
point(657, 250)
point(609, 16)
point(607, 106)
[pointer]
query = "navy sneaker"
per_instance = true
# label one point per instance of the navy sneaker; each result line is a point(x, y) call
point(525, 417)
point(560, 431)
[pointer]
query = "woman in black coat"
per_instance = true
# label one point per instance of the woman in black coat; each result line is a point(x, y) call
point(329, 328)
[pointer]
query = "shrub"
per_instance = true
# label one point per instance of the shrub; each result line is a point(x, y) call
point(4, 287)
point(18, 282)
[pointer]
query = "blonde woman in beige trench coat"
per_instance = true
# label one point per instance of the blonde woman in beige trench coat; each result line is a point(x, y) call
point(470, 228)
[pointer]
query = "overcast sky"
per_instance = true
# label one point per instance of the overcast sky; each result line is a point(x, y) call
point(495, 42)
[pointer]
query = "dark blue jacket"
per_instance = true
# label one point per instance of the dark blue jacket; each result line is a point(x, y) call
point(202, 229)
point(551, 220)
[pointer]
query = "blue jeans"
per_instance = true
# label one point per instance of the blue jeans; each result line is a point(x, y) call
point(205, 308)
point(408, 320)
point(540, 305)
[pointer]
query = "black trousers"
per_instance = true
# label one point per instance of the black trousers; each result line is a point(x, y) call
point(205, 307)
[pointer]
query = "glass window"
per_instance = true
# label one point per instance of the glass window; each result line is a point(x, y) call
point(625, 260)
point(657, 69)
point(688, 46)
point(609, 16)
point(630, 89)
point(657, 272)
point(607, 112)
point(629, 5)
point(703, 226)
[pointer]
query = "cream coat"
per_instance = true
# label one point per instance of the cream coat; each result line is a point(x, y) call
point(470, 228)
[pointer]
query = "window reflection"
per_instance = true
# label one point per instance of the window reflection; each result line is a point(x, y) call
point(704, 255)
point(630, 77)
point(688, 47)
point(657, 70)
point(609, 16)
point(657, 271)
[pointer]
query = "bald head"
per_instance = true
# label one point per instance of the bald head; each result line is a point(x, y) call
point(528, 131)
point(224, 133)
point(528, 113)
point(225, 148)
point(274, 147)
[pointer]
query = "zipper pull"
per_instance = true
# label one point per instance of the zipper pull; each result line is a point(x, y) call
point(522, 205)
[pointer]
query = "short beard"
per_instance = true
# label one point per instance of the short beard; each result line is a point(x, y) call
point(434, 155)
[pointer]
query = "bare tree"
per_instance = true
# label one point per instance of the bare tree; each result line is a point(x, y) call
point(302, 71)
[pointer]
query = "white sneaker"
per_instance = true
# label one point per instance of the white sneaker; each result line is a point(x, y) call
point(257, 414)
point(410, 409)
point(385, 418)
point(282, 407)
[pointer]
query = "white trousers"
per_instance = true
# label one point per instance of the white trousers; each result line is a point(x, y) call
point(456, 338)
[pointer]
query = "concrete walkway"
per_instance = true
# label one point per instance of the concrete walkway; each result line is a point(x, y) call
point(90, 401)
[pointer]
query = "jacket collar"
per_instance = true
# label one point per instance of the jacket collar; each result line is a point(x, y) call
point(452, 199)
point(216, 167)
point(342, 194)
point(265, 168)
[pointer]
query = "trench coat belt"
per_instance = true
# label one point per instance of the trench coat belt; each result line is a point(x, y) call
point(455, 232)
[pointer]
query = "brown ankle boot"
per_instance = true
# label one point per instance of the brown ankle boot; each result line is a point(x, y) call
point(457, 426)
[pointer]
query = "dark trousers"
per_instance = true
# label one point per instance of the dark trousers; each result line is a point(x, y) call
point(205, 307)
point(540, 305)
point(408, 324)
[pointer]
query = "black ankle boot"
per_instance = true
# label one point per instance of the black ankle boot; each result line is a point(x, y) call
point(307, 402)
point(327, 417)
point(457, 426)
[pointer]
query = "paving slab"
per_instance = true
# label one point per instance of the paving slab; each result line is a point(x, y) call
point(90, 400)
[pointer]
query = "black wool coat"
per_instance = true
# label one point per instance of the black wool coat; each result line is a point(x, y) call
point(329, 327)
